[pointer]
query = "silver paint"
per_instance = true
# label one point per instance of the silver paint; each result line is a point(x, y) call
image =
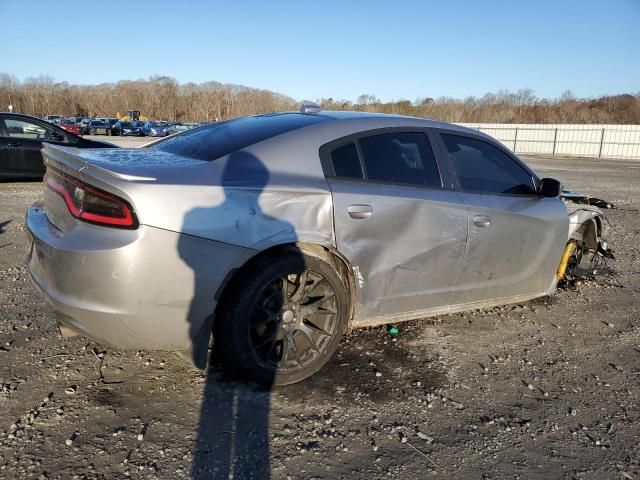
point(412, 252)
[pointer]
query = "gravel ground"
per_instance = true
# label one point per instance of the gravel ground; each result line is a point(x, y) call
point(546, 389)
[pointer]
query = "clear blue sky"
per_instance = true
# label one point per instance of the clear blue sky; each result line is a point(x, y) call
point(341, 49)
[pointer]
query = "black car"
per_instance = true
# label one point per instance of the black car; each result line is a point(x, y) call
point(128, 129)
point(21, 138)
point(102, 126)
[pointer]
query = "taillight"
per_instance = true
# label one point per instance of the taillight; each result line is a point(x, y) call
point(91, 204)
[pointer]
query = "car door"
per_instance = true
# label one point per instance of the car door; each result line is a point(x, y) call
point(401, 230)
point(24, 142)
point(516, 237)
point(6, 161)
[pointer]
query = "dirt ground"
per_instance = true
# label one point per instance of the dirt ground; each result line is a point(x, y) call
point(546, 389)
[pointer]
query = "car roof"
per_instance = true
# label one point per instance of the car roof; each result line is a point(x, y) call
point(29, 117)
point(23, 115)
point(362, 121)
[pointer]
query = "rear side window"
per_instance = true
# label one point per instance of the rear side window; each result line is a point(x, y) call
point(346, 162)
point(219, 139)
point(403, 157)
point(479, 166)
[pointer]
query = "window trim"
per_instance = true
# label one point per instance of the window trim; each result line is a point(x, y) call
point(444, 152)
point(329, 172)
point(4, 130)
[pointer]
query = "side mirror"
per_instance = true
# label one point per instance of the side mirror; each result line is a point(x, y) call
point(550, 187)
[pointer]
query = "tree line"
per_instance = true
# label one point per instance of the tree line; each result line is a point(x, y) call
point(163, 98)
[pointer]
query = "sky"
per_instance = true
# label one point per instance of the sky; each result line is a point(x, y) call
point(340, 49)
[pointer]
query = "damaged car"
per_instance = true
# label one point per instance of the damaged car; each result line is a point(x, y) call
point(280, 232)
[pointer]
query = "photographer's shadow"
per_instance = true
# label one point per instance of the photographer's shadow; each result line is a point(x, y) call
point(233, 428)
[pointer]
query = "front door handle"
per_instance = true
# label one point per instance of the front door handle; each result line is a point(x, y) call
point(482, 220)
point(360, 211)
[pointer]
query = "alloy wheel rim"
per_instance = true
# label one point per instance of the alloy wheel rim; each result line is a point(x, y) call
point(293, 321)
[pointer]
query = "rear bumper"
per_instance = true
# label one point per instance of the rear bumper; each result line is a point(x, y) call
point(146, 288)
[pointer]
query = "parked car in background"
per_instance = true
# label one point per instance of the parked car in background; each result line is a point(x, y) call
point(128, 129)
point(21, 140)
point(286, 230)
point(155, 129)
point(102, 126)
point(84, 123)
point(55, 119)
point(174, 128)
point(71, 126)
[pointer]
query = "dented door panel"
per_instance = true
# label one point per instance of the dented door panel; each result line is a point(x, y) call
point(405, 244)
point(514, 247)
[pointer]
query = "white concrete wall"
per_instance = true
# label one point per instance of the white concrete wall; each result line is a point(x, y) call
point(604, 141)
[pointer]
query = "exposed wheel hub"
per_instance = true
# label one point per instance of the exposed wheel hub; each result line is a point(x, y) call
point(288, 316)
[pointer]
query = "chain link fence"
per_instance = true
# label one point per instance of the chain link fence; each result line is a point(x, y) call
point(601, 141)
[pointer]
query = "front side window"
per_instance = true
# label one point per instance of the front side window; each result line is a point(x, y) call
point(23, 129)
point(403, 157)
point(481, 167)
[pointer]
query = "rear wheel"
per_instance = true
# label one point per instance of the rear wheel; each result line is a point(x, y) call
point(284, 320)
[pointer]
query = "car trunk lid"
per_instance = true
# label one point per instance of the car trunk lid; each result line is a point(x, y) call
point(129, 174)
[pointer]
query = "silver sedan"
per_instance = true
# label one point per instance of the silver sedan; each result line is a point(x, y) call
point(280, 232)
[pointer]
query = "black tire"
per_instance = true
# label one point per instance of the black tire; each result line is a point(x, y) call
point(258, 326)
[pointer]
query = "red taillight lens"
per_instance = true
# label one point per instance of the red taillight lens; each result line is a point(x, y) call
point(91, 204)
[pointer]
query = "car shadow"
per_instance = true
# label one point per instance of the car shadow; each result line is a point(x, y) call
point(233, 427)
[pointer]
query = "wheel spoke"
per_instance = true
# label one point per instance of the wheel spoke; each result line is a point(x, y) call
point(284, 289)
point(268, 316)
point(270, 338)
point(272, 348)
point(315, 286)
point(306, 332)
point(317, 300)
point(289, 345)
point(296, 350)
point(302, 283)
point(318, 321)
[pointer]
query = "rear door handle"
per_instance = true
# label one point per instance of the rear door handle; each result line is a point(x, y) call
point(482, 220)
point(360, 211)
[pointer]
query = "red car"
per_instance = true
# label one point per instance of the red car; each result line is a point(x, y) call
point(71, 126)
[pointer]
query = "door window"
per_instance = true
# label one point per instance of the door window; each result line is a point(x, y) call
point(23, 129)
point(481, 167)
point(346, 162)
point(403, 157)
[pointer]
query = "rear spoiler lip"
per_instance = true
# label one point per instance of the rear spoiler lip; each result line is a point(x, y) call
point(123, 176)
point(69, 160)
point(66, 159)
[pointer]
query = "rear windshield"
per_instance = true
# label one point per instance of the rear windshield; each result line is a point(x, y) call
point(213, 141)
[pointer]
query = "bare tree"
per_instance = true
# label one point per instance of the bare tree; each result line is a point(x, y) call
point(162, 97)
